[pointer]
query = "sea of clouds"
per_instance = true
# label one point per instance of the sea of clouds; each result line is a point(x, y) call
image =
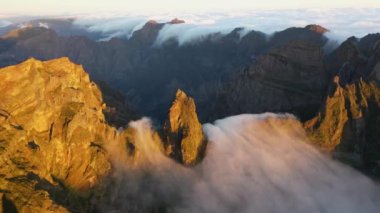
point(254, 163)
point(342, 23)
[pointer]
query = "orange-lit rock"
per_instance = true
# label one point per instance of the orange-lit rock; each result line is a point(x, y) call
point(53, 136)
point(183, 134)
point(348, 123)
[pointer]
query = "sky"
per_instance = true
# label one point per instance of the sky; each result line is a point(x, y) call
point(60, 7)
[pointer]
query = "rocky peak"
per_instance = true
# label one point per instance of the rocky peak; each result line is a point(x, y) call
point(298, 34)
point(369, 43)
point(317, 28)
point(26, 33)
point(348, 123)
point(147, 34)
point(177, 21)
point(53, 135)
point(182, 132)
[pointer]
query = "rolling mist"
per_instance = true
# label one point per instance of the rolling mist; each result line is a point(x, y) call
point(342, 23)
point(254, 163)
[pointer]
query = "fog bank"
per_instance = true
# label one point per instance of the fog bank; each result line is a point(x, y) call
point(254, 163)
point(342, 23)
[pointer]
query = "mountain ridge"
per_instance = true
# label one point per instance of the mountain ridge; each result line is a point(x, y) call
point(57, 151)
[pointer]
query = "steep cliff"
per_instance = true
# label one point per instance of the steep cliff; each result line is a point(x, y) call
point(183, 135)
point(348, 124)
point(57, 151)
point(52, 136)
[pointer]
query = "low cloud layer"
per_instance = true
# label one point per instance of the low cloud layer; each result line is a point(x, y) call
point(4, 23)
point(254, 163)
point(343, 23)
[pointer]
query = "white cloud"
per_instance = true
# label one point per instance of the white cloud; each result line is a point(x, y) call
point(343, 23)
point(44, 25)
point(4, 23)
point(253, 163)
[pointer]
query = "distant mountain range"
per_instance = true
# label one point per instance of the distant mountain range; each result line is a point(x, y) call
point(149, 75)
point(55, 129)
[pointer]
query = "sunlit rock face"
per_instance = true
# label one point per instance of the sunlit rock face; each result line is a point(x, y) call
point(317, 28)
point(129, 66)
point(52, 136)
point(349, 123)
point(183, 136)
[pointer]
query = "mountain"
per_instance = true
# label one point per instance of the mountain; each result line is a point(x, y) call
point(287, 72)
point(57, 151)
point(52, 136)
point(63, 26)
point(291, 78)
point(183, 133)
point(148, 74)
point(348, 122)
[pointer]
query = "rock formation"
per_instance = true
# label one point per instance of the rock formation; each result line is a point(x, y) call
point(317, 28)
point(57, 151)
point(52, 136)
point(182, 133)
point(349, 124)
point(130, 65)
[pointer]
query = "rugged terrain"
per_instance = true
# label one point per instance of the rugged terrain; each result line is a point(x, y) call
point(56, 148)
point(148, 74)
point(60, 143)
point(348, 122)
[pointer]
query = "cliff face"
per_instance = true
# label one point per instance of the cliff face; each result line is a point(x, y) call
point(58, 153)
point(183, 135)
point(349, 124)
point(52, 136)
point(287, 79)
point(345, 114)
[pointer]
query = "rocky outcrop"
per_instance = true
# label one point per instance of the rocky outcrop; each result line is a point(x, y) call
point(53, 137)
point(57, 151)
point(317, 28)
point(348, 121)
point(349, 124)
point(182, 133)
point(176, 21)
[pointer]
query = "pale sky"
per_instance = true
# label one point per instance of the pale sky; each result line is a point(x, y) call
point(58, 7)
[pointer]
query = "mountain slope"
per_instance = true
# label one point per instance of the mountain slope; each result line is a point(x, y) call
point(57, 151)
point(348, 122)
point(52, 134)
point(147, 74)
point(291, 78)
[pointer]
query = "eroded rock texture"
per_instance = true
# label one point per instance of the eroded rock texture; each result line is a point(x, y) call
point(183, 134)
point(348, 122)
point(52, 136)
point(58, 153)
point(288, 79)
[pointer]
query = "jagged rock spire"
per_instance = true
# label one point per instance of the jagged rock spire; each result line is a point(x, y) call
point(183, 135)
